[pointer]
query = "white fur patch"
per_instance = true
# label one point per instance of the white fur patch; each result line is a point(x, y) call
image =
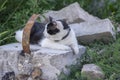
point(68, 43)
point(18, 35)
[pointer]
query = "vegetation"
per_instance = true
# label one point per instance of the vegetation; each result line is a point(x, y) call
point(15, 13)
point(104, 55)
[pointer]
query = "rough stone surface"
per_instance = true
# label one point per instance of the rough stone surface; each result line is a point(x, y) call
point(51, 61)
point(72, 13)
point(87, 32)
point(92, 72)
point(118, 29)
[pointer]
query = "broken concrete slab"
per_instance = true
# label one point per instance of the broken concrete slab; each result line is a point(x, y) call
point(72, 13)
point(51, 61)
point(92, 72)
point(88, 32)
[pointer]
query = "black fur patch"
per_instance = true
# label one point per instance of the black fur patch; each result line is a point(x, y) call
point(50, 25)
point(37, 32)
point(51, 28)
point(53, 32)
point(64, 24)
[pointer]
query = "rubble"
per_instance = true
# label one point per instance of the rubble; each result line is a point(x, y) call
point(50, 61)
point(92, 72)
point(88, 32)
point(72, 14)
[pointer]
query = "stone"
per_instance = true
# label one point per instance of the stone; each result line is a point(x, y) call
point(22, 77)
point(50, 61)
point(88, 32)
point(92, 72)
point(9, 76)
point(72, 14)
point(36, 73)
point(118, 29)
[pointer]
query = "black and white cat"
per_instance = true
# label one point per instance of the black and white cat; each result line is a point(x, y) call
point(56, 34)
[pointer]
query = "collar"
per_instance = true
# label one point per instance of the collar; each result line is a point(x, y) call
point(64, 36)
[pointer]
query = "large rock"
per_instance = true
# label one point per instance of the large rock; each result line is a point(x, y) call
point(92, 72)
point(88, 32)
point(72, 13)
point(52, 62)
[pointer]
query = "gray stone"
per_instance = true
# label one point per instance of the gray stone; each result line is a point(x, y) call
point(51, 61)
point(118, 29)
point(92, 72)
point(72, 13)
point(88, 32)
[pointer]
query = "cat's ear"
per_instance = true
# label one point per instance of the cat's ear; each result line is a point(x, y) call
point(65, 20)
point(64, 23)
point(50, 19)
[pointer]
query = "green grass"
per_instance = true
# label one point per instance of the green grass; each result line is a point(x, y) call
point(106, 56)
point(15, 13)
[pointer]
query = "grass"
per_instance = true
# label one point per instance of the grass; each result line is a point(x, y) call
point(106, 56)
point(14, 14)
